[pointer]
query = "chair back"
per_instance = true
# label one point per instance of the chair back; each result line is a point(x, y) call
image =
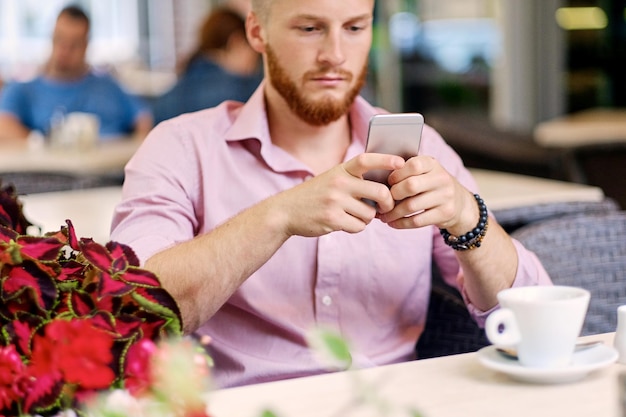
point(586, 250)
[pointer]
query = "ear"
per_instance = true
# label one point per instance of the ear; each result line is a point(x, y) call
point(255, 32)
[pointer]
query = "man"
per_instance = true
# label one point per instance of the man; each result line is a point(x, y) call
point(223, 67)
point(253, 215)
point(66, 85)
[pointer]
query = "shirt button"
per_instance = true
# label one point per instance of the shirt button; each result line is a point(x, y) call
point(326, 300)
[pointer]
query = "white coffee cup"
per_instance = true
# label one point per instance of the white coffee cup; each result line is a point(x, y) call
point(542, 323)
point(76, 130)
point(82, 128)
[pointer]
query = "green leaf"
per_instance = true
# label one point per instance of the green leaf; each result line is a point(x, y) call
point(172, 317)
point(331, 348)
point(337, 346)
point(414, 413)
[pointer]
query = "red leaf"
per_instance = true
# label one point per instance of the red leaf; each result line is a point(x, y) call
point(71, 235)
point(159, 297)
point(71, 270)
point(5, 219)
point(40, 248)
point(127, 326)
point(59, 235)
point(97, 255)
point(81, 303)
point(23, 333)
point(104, 321)
point(108, 286)
point(152, 328)
point(44, 391)
point(127, 252)
point(142, 277)
point(107, 304)
point(7, 235)
point(29, 277)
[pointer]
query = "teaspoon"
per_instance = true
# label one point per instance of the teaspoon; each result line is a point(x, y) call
point(511, 353)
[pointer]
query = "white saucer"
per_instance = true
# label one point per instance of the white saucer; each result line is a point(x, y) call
point(584, 362)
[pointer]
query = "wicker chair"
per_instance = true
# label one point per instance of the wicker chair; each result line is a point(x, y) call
point(586, 250)
point(514, 218)
point(38, 182)
point(449, 328)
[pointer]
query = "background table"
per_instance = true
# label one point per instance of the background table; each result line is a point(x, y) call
point(90, 210)
point(106, 157)
point(589, 127)
point(450, 386)
point(502, 190)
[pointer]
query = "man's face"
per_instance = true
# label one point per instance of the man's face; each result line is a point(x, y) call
point(69, 47)
point(316, 54)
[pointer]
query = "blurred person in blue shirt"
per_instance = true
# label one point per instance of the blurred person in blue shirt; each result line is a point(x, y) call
point(68, 84)
point(222, 67)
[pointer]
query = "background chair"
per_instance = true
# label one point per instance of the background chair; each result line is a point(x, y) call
point(513, 218)
point(586, 250)
point(449, 328)
point(602, 165)
point(38, 182)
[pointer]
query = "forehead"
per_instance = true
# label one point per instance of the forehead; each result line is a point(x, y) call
point(342, 10)
point(68, 25)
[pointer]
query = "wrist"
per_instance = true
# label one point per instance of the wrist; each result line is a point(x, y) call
point(473, 237)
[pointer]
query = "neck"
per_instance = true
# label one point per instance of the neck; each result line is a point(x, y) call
point(319, 147)
point(68, 75)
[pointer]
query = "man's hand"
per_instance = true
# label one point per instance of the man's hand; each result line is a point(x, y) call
point(333, 200)
point(428, 195)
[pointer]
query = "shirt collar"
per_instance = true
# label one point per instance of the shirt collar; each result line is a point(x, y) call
point(251, 123)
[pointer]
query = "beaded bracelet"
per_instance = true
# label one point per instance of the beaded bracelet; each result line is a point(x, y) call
point(473, 238)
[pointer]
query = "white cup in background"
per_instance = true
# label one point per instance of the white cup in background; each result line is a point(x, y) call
point(541, 322)
point(76, 130)
point(82, 128)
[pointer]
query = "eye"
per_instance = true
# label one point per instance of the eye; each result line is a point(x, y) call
point(355, 28)
point(308, 29)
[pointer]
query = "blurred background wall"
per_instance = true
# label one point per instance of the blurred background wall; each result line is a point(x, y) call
point(517, 62)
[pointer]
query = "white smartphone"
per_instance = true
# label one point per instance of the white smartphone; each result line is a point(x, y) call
point(396, 134)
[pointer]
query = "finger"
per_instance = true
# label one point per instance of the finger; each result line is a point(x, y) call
point(361, 212)
point(415, 166)
point(414, 221)
point(365, 162)
point(409, 208)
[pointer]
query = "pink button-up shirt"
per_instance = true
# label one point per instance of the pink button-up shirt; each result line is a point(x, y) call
point(195, 171)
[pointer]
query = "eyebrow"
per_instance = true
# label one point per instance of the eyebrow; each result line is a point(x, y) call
point(314, 17)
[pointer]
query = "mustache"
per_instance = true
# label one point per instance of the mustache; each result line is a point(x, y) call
point(320, 73)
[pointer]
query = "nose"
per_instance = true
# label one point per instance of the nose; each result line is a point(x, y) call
point(332, 50)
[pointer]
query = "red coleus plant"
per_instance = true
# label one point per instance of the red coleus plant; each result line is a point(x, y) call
point(70, 311)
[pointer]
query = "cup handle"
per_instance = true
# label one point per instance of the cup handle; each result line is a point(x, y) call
point(502, 329)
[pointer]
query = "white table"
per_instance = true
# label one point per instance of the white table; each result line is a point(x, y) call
point(106, 157)
point(451, 386)
point(90, 210)
point(502, 190)
point(589, 127)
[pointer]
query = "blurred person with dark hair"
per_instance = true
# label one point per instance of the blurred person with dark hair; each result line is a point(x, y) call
point(68, 84)
point(222, 67)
